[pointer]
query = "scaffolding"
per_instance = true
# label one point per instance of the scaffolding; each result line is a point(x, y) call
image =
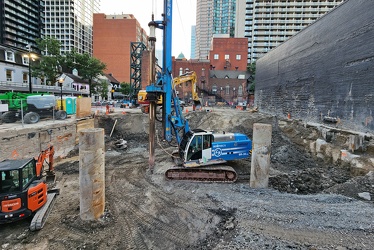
point(136, 52)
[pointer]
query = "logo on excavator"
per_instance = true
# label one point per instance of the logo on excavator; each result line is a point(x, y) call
point(217, 152)
point(11, 204)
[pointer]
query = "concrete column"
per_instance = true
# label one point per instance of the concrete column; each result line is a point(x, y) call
point(91, 173)
point(261, 150)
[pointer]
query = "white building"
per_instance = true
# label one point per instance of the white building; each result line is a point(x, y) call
point(71, 23)
point(269, 23)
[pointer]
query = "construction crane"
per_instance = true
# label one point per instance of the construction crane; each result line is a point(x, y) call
point(201, 154)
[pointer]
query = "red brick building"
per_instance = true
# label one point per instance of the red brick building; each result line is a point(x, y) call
point(223, 79)
point(229, 54)
point(201, 67)
point(112, 39)
point(228, 74)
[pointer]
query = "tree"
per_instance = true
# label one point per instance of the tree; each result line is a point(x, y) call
point(125, 88)
point(88, 68)
point(50, 63)
point(251, 68)
point(101, 88)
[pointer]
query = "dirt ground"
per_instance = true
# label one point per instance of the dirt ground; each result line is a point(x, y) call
point(309, 204)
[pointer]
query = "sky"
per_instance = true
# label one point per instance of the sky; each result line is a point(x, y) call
point(184, 16)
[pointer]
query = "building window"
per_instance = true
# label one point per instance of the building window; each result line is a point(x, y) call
point(25, 77)
point(214, 89)
point(238, 57)
point(216, 57)
point(25, 60)
point(9, 75)
point(240, 90)
point(227, 90)
point(9, 56)
point(227, 57)
point(180, 71)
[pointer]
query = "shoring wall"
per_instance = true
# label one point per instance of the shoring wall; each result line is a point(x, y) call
point(327, 69)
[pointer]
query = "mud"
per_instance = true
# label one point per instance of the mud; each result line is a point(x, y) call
point(309, 204)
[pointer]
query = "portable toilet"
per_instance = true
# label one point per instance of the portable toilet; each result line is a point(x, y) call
point(75, 104)
point(70, 104)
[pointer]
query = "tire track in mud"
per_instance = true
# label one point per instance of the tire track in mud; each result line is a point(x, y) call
point(126, 237)
point(166, 216)
point(139, 221)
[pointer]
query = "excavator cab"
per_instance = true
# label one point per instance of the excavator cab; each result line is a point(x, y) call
point(196, 145)
point(21, 192)
point(16, 175)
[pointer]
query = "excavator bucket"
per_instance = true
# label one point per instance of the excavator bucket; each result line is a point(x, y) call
point(197, 104)
point(50, 177)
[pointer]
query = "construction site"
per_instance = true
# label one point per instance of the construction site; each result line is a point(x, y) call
point(315, 199)
point(293, 170)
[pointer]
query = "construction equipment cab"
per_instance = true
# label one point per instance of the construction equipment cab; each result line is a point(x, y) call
point(23, 188)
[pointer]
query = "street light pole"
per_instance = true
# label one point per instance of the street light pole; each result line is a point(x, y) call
point(30, 84)
point(60, 82)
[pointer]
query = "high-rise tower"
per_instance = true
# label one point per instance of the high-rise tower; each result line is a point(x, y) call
point(70, 22)
point(213, 17)
point(21, 22)
point(268, 23)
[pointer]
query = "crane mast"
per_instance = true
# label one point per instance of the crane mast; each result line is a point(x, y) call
point(161, 84)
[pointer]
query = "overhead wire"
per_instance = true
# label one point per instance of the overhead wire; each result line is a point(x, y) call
point(180, 19)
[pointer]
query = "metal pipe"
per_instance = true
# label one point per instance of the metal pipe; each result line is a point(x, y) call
point(152, 133)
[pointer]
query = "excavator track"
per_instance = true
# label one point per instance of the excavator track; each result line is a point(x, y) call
point(203, 174)
point(41, 215)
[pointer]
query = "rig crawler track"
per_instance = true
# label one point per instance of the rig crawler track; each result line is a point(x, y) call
point(202, 174)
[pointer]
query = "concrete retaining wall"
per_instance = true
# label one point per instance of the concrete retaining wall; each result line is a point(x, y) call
point(326, 70)
point(23, 142)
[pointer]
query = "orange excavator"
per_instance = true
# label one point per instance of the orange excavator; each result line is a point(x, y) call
point(26, 189)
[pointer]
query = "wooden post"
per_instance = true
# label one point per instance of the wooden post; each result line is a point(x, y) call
point(92, 173)
point(261, 151)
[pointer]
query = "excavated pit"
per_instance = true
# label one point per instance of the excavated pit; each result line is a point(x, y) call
point(315, 202)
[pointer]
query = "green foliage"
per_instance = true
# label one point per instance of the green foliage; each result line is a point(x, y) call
point(88, 67)
point(49, 65)
point(52, 63)
point(125, 88)
point(251, 68)
point(100, 88)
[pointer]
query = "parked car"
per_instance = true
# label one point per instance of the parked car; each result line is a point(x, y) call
point(125, 102)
